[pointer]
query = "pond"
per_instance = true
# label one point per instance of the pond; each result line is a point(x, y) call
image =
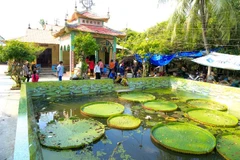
point(120, 144)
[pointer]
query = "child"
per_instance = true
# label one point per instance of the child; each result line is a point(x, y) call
point(35, 77)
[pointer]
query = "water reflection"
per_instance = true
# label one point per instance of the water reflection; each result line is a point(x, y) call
point(119, 144)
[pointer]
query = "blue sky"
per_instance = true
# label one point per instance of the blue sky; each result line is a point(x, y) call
point(139, 15)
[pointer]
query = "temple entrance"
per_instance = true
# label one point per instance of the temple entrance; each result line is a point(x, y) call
point(106, 57)
point(45, 58)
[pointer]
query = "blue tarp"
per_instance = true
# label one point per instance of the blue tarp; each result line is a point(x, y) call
point(193, 54)
point(162, 60)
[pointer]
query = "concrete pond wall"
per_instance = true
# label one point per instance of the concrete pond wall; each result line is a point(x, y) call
point(27, 145)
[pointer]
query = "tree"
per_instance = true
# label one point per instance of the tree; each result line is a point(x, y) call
point(84, 45)
point(17, 53)
point(42, 23)
point(200, 11)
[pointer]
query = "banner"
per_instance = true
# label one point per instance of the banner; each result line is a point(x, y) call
point(220, 60)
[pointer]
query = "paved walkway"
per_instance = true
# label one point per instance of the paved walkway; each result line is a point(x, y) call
point(9, 101)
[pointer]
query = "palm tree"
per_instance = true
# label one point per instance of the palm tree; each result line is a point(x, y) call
point(195, 12)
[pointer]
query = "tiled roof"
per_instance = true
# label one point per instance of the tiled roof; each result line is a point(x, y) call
point(87, 14)
point(97, 29)
point(39, 36)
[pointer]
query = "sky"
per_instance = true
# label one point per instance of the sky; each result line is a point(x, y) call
point(138, 15)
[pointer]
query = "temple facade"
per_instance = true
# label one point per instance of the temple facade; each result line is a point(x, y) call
point(58, 39)
point(88, 22)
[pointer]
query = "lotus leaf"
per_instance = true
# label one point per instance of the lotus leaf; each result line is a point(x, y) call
point(159, 105)
point(137, 96)
point(206, 104)
point(71, 134)
point(123, 122)
point(229, 146)
point(102, 109)
point(212, 118)
point(173, 136)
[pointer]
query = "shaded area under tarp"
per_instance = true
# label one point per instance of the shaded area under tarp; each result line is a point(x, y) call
point(219, 60)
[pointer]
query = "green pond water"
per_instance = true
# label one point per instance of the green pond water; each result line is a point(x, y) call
point(120, 144)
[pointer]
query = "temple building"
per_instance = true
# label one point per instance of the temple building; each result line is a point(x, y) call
point(58, 39)
point(86, 21)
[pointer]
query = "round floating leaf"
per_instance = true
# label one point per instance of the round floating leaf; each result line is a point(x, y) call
point(137, 96)
point(159, 105)
point(212, 118)
point(102, 109)
point(206, 104)
point(71, 133)
point(123, 121)
point(229, 146)
point(183, 137)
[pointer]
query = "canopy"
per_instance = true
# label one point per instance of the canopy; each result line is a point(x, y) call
point(220, 60)
point(161, 60)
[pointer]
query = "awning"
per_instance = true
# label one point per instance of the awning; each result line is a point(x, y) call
point(220, 60)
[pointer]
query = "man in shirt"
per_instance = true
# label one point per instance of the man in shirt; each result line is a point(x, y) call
point(97, 71)
point(60, 70)
point(111, 67)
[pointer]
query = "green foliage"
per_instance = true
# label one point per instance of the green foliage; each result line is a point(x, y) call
point(71, 133)
point(229, 146)
point(17, 53)
point(207, 104)
point(42, 23)
point(84, 45)
point(137, 96)
point(173, 136)
point(123, 121)
point(159, 105)
point(102, 109)
point(212, 117)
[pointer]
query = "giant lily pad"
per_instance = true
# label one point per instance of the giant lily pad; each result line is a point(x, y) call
point(206, 104)
point(123, 121)
point(102, 109)
point(160, 105)
point(137, 96)
point(71, 134)
point(212, 118)
point(229, 146)
point(183, 137)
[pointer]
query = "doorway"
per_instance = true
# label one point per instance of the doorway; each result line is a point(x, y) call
point(45, 58)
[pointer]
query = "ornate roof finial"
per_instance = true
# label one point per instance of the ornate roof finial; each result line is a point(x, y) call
point(108, 13)
point(87, 4)
point(29, 27)
point(76, 6)
point(66, 17)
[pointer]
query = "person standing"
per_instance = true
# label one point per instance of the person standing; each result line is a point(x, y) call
point(116, 67)
point(100, 64)
point(35, 76)
point(60, 70)
point(91, 67)
point(111, 67)
point(26, 71)
point(97, 71)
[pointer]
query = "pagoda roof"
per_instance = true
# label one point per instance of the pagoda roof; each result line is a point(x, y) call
point(39, 36)
point(91, 29)
point(86, 14)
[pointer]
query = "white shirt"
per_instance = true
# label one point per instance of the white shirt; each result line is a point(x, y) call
point(97, 69)
point(60, 70)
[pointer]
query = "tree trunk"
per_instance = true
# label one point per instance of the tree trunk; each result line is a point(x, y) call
point(204, 29)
